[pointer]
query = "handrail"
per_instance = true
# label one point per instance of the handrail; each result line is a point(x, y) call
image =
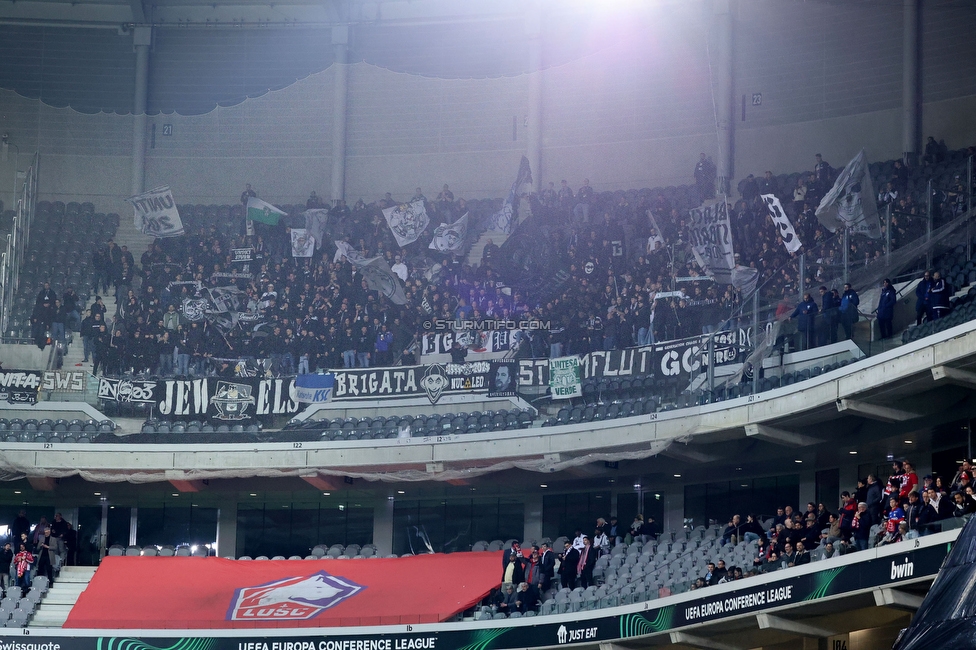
point(16, 245)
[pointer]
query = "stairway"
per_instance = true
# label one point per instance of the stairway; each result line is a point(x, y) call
point(73, 356)
point(57, 603)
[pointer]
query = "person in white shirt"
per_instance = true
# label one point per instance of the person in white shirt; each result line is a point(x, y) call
point(400, 268)
point(601, 543)
point(578, 540)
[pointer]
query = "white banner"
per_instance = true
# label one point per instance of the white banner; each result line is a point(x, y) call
point(850, 203)
point(710, 231)
point(407, 221)
point(782, 222)
point(450, 236)
point(302, 243)
point(155, 213)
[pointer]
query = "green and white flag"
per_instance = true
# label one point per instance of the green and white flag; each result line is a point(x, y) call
point(258, 210)
point(564, 378)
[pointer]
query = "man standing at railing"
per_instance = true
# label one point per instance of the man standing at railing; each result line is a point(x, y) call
point(849, 301)
point(886, 309)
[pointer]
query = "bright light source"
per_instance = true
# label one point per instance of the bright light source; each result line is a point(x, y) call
point(253, 494)
point(908, 442)
point(852, 453)
point(98, 494)
point(16, 491)
point(677, 475)
point(543, 485)
point(326, 494)
point(400, 492)
point(176, 494)
point(797, 461)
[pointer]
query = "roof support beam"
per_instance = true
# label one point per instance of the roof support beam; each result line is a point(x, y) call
point(956, 376)
point(700, 642)
point(875, 411)
point(780, 436)
point(138, 12)
point(42, 483)
point(770, 622)
point(897, 599)
point(682, 452)
point(187, 486)
point(326, 484)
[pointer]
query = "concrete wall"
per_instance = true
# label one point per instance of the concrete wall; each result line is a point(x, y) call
point(633, 112)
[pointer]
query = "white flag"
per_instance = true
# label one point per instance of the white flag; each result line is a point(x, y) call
point(407, 221)
point(711, 239)
point(302, 243)
point(850, 203)
point(450, 236)
point(782, 222)
point(155, 213)
point(376, 271)
point(345, 249)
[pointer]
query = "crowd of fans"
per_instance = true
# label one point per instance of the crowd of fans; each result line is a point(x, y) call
point(876, 514)
point(630, 279)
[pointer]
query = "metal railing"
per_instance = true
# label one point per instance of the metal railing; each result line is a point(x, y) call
point(15, 246)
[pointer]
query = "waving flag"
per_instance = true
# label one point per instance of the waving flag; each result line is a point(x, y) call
point(377, 273)
point(850, 202)
point(503, 220)
point(407, 221)
point(156, 214)
point(450, 237)
point(258, 210)
point(782, 222)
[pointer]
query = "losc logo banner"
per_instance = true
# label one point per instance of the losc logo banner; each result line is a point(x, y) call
point(294, 599)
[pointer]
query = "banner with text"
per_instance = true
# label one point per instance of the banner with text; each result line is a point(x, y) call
point(710, 232)
point(476, 341)
point(155, 213)
point(20, 386)
point(661, 360)
point(237, 400)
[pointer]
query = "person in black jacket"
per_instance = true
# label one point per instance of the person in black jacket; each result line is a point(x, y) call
point(828, 320)
point(547, 564)
point(863, 520)
point(568, 561)
point(886, 309)
point(458, 353)
point(6, 559)
point(922, 298)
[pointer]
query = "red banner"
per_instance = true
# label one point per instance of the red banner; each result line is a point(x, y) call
point(192, 592)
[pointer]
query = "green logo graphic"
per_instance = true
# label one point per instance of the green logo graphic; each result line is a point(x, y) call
point(639, 625)
point(483, 638)
point(114, 643)
point(824, 580)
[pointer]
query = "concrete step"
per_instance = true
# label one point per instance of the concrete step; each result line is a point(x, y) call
point(67, 598)
point(77, 573)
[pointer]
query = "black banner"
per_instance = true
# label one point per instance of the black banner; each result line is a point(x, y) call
point(242, 254)
point(20, 386)
point(639, 620)
point(431, 381)
point(661, 360)
point(502, 378)
point(236, 400)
